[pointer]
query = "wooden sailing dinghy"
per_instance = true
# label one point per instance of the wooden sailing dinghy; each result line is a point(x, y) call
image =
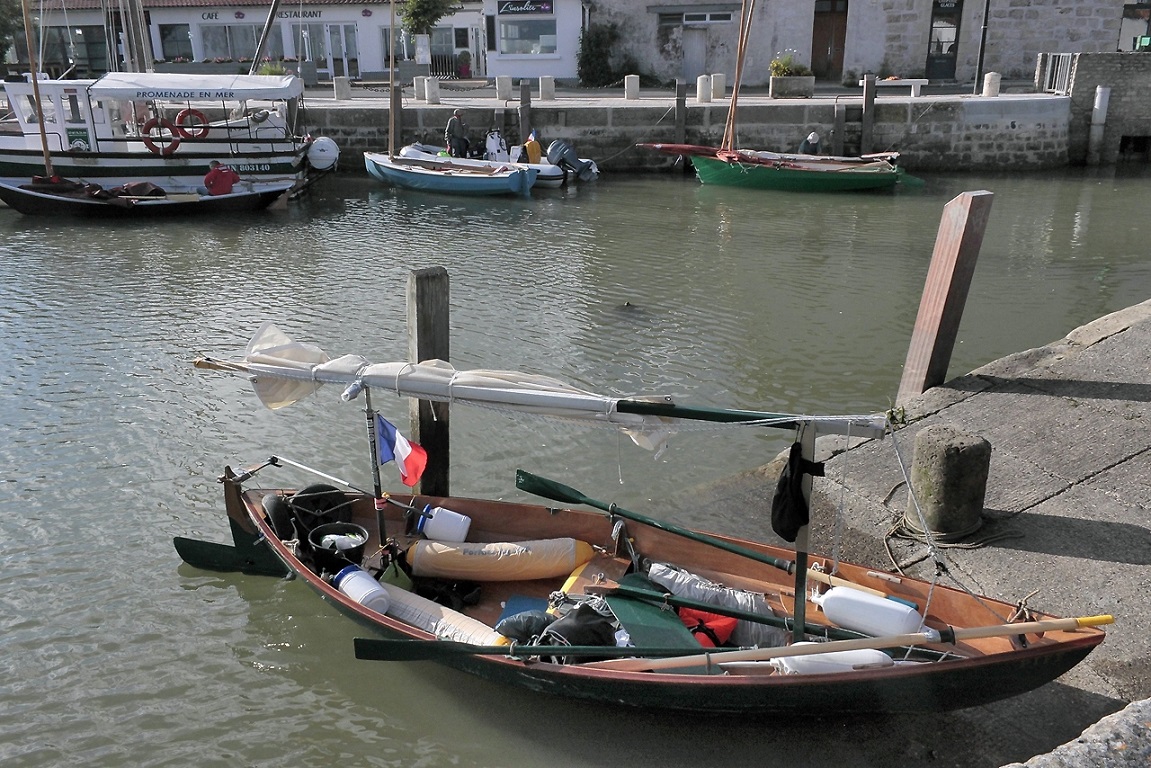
point(613, 605)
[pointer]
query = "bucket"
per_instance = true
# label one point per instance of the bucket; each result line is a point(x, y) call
point(867, 613)
point(333, 548)
point(441, 524)
point(359, 585)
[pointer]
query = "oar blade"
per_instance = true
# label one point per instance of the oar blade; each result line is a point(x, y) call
point(210, 556)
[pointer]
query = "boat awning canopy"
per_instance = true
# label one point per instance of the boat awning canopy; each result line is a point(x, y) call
point(284, 371)
point(140, 86)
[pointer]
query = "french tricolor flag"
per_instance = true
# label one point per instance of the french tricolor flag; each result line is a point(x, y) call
point(392, 446)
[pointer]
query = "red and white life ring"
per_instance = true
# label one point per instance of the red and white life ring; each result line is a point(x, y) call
point(192, 124)
point(150, 141)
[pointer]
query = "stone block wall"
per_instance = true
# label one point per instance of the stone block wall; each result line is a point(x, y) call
point(1128, 75)
point(1016, 31)
point(955, 133)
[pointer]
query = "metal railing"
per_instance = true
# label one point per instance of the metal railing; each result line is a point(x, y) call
point(1057, 73)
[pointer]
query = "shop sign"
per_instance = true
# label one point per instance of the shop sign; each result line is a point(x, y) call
point(514, 7)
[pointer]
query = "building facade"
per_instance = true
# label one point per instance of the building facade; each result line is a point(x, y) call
point(841, 40)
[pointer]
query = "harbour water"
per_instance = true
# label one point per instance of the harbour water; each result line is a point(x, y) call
point(112, 653)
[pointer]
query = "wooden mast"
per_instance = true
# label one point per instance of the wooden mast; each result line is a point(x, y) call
point(36, 87)
point(745, 12)
point(392, 81)
point(740, 52)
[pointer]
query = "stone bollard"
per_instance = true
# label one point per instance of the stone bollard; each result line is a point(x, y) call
point(718, 85)
point(949, 477)
point(703, 89)
point(343, 88)
point(631, 87)
point(991, 83)
point(547, 88)
point(503, 87)
point(420, 83)
point(432, 90)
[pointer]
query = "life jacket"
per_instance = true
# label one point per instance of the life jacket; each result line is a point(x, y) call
point(710, 629)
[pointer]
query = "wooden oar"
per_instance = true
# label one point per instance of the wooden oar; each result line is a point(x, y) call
point(376, 649)
point(949, 635)
point(550, 489)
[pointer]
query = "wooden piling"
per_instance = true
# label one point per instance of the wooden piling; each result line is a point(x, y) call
point(839, 132)
point(428, 339)
point(867, 128)
point(680, 112)
point(525, 109)
point(957, 247)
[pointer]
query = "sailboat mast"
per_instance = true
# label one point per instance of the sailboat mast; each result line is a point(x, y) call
point(392, 81)
point(263, 44)
point(740, 53)
point(36, 87)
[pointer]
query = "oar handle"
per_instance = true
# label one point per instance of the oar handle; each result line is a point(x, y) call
point(1033, 627)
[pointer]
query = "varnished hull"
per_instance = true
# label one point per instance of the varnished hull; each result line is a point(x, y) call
point(991, 668)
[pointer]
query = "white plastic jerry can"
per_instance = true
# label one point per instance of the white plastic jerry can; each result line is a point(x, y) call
point(832, 662)
point(868, 613)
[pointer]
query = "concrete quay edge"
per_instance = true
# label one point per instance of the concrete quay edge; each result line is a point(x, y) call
point(1101, 363)
point(1066, 524)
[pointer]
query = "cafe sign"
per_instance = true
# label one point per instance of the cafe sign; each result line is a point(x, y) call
point(515, 7)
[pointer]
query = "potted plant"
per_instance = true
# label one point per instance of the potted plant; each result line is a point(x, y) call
point(790, 79)
point(464, 64)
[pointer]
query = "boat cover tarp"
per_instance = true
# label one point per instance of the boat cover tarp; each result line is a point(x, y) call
point(139, 86)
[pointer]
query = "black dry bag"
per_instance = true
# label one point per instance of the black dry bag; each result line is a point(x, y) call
point(789, 511)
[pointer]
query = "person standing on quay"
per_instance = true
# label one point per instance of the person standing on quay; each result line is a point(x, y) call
point(456, 135)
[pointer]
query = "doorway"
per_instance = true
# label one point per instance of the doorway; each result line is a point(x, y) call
point(694, 53)
point(943, 48)
point(828, 34)
point(343, 53)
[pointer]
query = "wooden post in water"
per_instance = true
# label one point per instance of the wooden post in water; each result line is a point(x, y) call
point(838, 134)
point(428, 338)
point(395, 117)
point(525, 109)
point(945, 292)
point(867, 128)
point(680, 111)
point(681, 118)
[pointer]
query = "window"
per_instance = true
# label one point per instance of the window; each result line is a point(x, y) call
point(694, 17)
point(528, 36)
point(461, 35)
point(239, 41)
point(175, 41)
point(309, 42)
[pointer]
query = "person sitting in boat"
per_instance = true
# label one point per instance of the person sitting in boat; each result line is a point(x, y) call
point(456, 135)
point(532, 149)
point(220, 179)
point(810, 145)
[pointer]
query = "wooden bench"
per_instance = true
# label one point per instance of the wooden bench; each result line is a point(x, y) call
point(915, 84)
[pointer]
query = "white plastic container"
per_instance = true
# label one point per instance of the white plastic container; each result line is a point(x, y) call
point(441, 524)
point(833, 662)
point(867, 613)
point(359, 585)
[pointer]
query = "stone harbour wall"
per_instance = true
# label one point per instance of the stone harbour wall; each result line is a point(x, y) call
point(944, 133)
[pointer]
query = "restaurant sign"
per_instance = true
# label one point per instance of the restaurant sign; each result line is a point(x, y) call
point(511, 7)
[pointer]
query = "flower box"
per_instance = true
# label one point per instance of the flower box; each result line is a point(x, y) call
point(792, 87)
point(202, 68)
